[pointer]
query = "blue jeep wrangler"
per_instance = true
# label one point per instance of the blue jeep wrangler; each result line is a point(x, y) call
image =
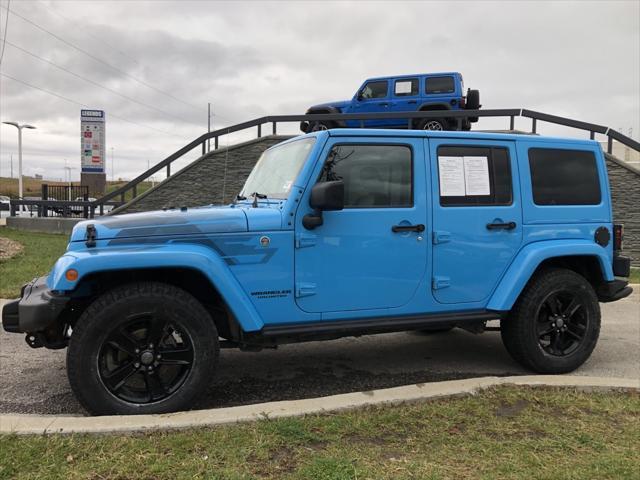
point(405, 93)
point(338, 233)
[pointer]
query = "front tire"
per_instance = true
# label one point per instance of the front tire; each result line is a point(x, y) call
point(142, 348)
point(320, 126)
point(555, 323)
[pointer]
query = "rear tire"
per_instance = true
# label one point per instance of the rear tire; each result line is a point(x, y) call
point(435, 124)
point(142, 348)
point(555, 323)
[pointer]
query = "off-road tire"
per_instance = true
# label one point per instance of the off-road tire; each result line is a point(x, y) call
point(520, 329)
point(114, 309)
point(427, 123)
point(319, 126)
point(473, 103)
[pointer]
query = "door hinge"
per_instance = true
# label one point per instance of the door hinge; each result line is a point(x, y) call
point(305, 240)
point(440, 282)
point(305, 289)
point(440, 236)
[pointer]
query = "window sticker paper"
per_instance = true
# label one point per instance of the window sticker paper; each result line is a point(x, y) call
point(452, 178)
point(476, 176)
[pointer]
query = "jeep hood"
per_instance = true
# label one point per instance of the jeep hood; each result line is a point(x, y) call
point(168, 222)
point(340, 105)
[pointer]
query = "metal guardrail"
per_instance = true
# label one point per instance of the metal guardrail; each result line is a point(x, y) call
point(60, 208)
point(458, 115)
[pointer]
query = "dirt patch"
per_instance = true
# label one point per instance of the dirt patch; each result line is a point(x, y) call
point(506, 410)
point(9, 248)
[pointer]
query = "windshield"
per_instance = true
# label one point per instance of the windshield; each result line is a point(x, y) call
point(277, 169)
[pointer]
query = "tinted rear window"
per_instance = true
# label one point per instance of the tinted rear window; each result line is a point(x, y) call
point(564, 177)
point(440, 85)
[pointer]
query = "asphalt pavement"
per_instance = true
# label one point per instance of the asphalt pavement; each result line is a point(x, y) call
point(34, 380)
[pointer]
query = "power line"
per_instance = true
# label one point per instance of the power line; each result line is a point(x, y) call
point(101, 40)
point(49, 62)
point(93, 57)
point(6, 25)
point(114, 48)
point(84, 105)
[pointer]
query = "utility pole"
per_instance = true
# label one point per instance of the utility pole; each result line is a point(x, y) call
point(112, 174)
point(20, 127)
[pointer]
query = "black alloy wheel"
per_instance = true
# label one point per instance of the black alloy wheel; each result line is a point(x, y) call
point(562, 323)
point(145, 360)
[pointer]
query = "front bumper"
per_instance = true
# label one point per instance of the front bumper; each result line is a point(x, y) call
point(36, 310)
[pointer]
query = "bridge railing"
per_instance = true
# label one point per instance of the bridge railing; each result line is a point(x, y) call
point(117, 197)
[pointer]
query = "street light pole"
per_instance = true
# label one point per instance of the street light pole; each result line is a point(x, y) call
point(20, 127)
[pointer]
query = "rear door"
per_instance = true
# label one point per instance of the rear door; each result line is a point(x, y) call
point(477, 216)
point(405, 97)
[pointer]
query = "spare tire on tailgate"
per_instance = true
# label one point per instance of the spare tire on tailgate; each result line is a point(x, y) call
point(473, 102)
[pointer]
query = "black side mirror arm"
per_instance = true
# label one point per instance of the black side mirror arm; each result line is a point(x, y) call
point(312, 220)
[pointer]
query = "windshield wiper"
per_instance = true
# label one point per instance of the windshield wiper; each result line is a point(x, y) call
point(257, 196)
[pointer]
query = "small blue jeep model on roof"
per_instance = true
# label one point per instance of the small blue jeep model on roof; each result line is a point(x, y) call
point(424, 92)
point(337, 233)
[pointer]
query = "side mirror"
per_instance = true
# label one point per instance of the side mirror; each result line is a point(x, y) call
point(359, 95)
point(327, 196)
point(324, 196)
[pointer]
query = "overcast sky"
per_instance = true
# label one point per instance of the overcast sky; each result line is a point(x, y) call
point(163, 61)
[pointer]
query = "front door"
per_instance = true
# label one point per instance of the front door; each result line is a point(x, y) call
point(477, 217)
point(372, 254)
point(373, 98)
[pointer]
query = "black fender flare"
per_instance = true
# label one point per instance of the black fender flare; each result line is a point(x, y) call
point(329, 109)
point(429, 107)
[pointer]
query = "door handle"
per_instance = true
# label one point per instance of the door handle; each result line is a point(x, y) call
point(501, 226)
point(408, 228)
point(384, 104)
point(412, 102)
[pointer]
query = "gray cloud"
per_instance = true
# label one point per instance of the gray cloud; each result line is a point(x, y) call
point(579, 59)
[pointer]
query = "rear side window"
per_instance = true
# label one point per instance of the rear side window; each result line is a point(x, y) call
point(477, 176)
point(377, 89)
point(440, 85)
point(564, 177)
point(374, 176)
point(406, 87)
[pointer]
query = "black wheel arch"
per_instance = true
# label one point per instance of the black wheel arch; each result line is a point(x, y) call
point(432, 107)
point(587, 266)
point(327, 110)
point(188, 279)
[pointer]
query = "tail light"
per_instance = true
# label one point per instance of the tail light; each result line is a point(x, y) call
point(463, 102)
point(618, 233)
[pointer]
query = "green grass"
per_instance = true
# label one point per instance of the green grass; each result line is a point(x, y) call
point(635, 275)
point(508, 432)
point(141, 188)
point(41, 250)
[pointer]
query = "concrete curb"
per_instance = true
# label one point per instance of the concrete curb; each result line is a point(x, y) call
point(45, 424)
